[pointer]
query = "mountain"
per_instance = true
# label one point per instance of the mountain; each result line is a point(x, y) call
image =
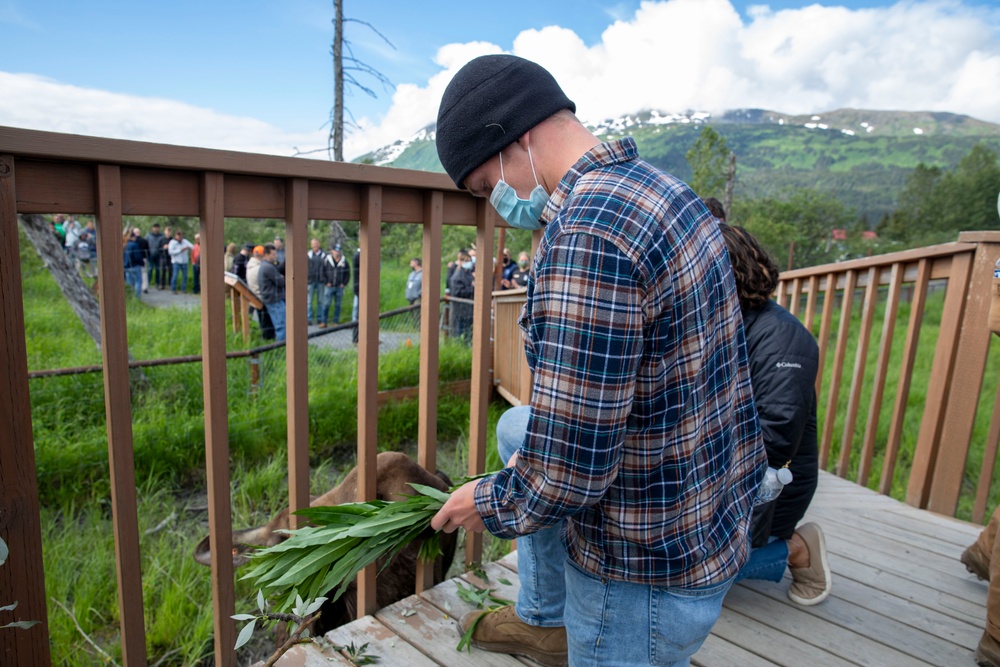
point(861, 157)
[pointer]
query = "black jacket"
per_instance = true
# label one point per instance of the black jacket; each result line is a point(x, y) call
point(272, 283)
point(336, 274)
point(315, 265)
point(240, 266)
point(783, 363)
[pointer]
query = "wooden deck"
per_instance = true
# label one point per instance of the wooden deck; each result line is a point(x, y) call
point(900, 598)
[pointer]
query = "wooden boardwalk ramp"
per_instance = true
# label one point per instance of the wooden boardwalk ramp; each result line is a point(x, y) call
point(900, 598)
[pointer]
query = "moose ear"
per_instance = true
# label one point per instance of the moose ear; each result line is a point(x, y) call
point(203, 552)
point(241, 553)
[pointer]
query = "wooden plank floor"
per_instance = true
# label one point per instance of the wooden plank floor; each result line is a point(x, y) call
point(900, 597)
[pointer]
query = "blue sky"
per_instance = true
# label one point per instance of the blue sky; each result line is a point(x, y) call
point(255, 75)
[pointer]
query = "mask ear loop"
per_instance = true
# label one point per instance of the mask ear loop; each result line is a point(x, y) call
point(531, 162)
point(501, 167)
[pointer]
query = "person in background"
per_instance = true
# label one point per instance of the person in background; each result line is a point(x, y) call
point(133, 262)
point(639, 456)
point(415, 287)
point(196, 264)
point(253, 282)
point(73, 230)
point(166, 266)
point(357, 294)
point(272, 290)
point(82, 255)
point(462, 285)
point(253, 270)
point(508, 268)
point(240, 261)
point(230, 256)
point(59, 227)
point(314, 286)
point(153, 239)
point(336, 275)
point(144, 247)
point(179, 250)
point(519, 276)
point(279, 248)
point(784, 360)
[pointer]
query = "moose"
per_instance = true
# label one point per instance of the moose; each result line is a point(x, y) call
point(394, 473)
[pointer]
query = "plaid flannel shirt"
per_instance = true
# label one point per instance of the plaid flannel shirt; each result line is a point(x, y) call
point(643, 434)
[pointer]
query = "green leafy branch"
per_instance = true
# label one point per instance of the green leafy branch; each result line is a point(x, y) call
point(20, 625)
point(304, 614)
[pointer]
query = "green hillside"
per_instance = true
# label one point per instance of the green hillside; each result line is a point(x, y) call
point(865, 170)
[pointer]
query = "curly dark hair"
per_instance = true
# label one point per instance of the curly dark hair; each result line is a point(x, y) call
point(755, 270)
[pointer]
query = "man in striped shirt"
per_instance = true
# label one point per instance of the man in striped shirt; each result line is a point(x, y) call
point(641, 447)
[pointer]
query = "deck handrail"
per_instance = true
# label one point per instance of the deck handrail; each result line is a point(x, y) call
point(44, 172)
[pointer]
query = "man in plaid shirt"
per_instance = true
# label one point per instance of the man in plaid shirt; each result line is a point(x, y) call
point(640, 448)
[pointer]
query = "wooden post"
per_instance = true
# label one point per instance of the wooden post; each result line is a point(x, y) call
point(214, 383)
point(297, 346)
point(430, 304)
point(22, 579)
point(481, 356)
point(370, 241)
point(970, 362)
point(118, 407)
point(939, 385)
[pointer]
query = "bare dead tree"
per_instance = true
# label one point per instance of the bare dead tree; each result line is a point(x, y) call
point(730, 184)
point(346, 69)
point(61, 265)
point(63, 270)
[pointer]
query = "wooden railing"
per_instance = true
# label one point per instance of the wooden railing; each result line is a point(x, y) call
point(952, 388)
point(825, 297)
point(42, 173)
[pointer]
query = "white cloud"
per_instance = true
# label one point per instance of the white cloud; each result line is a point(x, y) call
point(35, 102)
point(678, 55)
point(673, 55)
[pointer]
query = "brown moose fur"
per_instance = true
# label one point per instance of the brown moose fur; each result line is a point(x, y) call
point(394, 472)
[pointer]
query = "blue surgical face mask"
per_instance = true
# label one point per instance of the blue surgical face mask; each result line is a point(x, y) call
point(467, 266)
point(519, 213)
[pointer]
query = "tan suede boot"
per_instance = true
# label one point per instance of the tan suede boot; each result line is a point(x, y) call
point(988, 651)
point(976, 561)
point(501, 631)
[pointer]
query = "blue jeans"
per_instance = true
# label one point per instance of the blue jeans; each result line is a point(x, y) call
point(276, 311)
point(313, 290)
point(181, 271)
point(607, 622)
point(610, 622)
point(334, 295)
point(540, 556)
point(133, 277)
point(768, 562)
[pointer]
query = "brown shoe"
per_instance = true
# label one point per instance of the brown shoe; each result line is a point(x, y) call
point(322, 325)
point(988, 651)
point(976, 561)
point(811, 585)
point(501, 631)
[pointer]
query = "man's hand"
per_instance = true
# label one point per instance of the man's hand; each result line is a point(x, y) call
point(460, 511)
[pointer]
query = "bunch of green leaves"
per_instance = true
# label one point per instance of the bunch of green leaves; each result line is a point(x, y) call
point(342, 541)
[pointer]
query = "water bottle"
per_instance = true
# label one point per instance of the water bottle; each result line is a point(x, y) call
point(775, 480)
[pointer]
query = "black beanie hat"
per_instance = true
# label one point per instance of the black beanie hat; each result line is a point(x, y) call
point(490, 104)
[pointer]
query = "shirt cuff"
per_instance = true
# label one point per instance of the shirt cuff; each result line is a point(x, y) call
point(490, 507)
